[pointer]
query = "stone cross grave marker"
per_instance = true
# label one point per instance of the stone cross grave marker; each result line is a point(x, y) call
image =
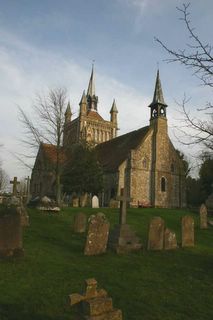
point(94, 304)
point(124, 199)
point(80, 222)
point(156, 234)
point(187, 231)
point(170, 241)
point(97, 236)
point(15, 183)
point(122, 238)
point(95, 202)
point(203, 217)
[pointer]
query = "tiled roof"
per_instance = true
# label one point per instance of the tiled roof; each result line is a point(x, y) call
point(113, 152)
point(50, 151)
point(94, 115)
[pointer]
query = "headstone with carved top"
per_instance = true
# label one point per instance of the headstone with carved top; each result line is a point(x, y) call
point(156, 234)
point(94, 304)
point(187, 231)
point(97, 236)
point(15, 183)
point(203, 217)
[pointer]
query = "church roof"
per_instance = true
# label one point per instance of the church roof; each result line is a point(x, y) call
point(50, 152)
point(94, 115)
point(113, 152)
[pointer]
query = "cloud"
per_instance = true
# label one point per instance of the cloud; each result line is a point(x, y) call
point(25, 70)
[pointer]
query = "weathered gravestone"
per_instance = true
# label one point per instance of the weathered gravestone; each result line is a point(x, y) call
point(83, 200)
point(47, 204)
point(94, 304)
point(203, 217)
point(123, 239)
point(75, 202)
point(80, 223)
point(95, 202)
point(10, 233)
point(97, 236)
point(22, 211)
point(187, 231)
point(156, 234)
point(114, 203)
point(170, 241)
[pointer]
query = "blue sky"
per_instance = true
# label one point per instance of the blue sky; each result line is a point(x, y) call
point(49, 43)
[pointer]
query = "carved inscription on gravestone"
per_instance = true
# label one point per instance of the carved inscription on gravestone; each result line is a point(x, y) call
point(187, 231)
point(156, 234)
point(97, 237)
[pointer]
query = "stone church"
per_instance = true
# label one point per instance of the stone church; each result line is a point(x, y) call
point(144, 161)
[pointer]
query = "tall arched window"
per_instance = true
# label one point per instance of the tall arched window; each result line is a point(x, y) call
point(163, 184)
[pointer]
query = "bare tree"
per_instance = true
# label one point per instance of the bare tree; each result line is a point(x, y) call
point(197, 56)
point(46, 125)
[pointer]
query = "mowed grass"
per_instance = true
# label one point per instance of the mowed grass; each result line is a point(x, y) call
point(145, 285)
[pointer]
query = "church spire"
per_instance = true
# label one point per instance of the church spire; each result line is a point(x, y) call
point(91, 86)
point(158, 105)
point(158, 94)
point(92, 99)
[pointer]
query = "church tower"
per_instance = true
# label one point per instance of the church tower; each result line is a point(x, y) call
point(89, 126)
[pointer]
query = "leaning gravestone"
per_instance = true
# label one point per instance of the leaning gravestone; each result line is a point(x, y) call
point(94, 304)
point(203, 217)
point(156, 234)
point(75, 202)
point(187, 231)
point(170, 241)
point(95, 202)
point(97, 236)
point(10, 232)
point(80, 223)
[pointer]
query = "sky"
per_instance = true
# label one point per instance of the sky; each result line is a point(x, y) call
point(46, 44)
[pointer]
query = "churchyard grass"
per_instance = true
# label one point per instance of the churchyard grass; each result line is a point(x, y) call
point(144, 285)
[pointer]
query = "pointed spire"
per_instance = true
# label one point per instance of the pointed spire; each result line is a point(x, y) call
point(68, 110)
point(114, 108)
point(158, 94)
point(91, 86)
point(83, 99)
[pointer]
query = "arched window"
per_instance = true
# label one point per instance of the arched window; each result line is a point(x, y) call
point(163, 184)
point(172, 167)
point(145, 163)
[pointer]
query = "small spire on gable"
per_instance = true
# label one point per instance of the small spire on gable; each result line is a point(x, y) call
point(114, 108)
point(158, 94)
point(83, 99)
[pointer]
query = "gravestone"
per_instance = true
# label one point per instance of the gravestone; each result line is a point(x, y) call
point(156, 234)
point(123, 239)
point(83, 200)
point(97, 236)
point(80, 223)
point(203, 217)
point(94, 304)
point(170, 241)
point(48, 205)
point(15, 183)
point(95, 202)
point(75, 202)
point(10, 233)
point(187, 231)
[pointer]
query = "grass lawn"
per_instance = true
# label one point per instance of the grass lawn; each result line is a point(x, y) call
point(145, 285)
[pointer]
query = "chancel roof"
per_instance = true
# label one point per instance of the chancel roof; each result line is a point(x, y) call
point(50, 152)
point(113, 152)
